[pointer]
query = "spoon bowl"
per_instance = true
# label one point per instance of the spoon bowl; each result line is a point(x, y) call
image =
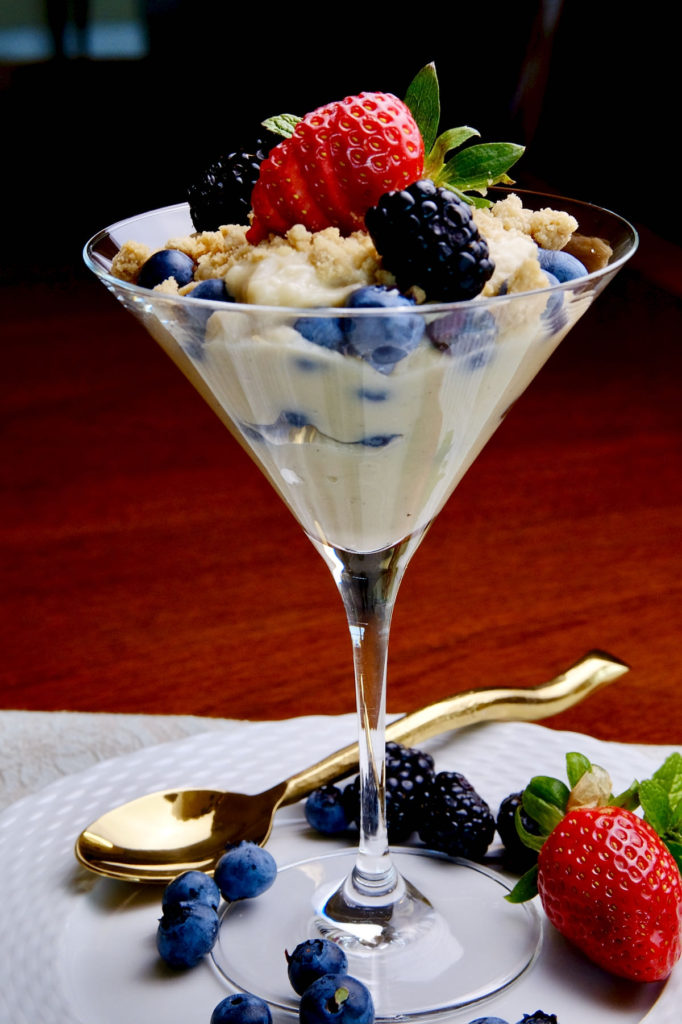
point(158, 836)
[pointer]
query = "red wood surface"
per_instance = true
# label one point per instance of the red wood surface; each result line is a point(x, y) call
point(147, 566)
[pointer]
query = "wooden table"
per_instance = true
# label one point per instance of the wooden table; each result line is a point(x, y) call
point(149, 567)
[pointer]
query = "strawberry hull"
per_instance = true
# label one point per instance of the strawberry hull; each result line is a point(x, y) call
point(611, 887)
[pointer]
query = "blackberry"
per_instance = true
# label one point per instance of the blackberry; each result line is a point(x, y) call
point(409, 776)
point(456, 820)
point(426, 236)
point(518, 856)
point(222, 192)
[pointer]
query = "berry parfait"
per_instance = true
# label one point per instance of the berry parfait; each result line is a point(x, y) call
point(362, 338)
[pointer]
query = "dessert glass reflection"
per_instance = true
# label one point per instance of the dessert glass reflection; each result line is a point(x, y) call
point(365, 459)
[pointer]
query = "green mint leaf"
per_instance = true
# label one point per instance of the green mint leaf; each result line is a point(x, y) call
point(675, 815)
point(526, 887)
point(552, 791)
point(423, 100)
point(576, 766)
point(675, 848)
point(629, 798)
point(655, 805)
point(478, 167)
point(666, 774)
point(448, 140)
point(282, 124)
point(533, 842)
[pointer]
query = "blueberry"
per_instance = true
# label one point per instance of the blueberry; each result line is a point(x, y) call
point(186, 933)
point(191, 887)
point(381, 340)
point(244, 871)
point(213, 288)
point(325, 811)
point(564, 266)
point(468, 334)
point(324, 331)
point(553, 312)
point(378, 440)
point(372, 395)
point(311, 960)
point(242, 1008)
point(336, 998)
point(488, 1020)
point(295, 419)
point(164, 264)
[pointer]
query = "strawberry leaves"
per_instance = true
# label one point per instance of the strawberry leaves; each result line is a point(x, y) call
point(661, 800)
point(474, 169)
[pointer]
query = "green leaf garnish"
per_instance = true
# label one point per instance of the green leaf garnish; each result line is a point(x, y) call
point(655, 805)
point(446, 142)
point(526, 887)
point(479, 167)
point(550, 790)
point(576, 766)
point(675, 848)
point(423, 100)
point(282, 124)
point(528, 839)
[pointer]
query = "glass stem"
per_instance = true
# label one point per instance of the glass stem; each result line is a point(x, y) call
point(368, 584)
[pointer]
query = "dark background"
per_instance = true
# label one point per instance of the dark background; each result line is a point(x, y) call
point(586, 86)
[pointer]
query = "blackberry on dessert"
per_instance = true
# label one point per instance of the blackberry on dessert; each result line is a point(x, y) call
point(222, 192)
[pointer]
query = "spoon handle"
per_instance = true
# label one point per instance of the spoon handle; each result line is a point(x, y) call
point(527, 704)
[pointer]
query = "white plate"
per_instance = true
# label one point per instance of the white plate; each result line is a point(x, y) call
point(75, 949)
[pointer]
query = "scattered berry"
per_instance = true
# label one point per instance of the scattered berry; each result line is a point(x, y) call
point(242, 1008)
point(322, 330)
point(382, 340)
point(164, 264)
point(554, 312)
point(244, 871)
point(539, 1017)
point(311, 960)
point(222, 193)
point(518, 856)
point(488, 1020)
point(456, 820)
point(191, 887)
point(336, 998)
point(325, 810)
point(337, 163)
point(409, 777)
point(426, 237)
point(186, 933)
point(562, 265)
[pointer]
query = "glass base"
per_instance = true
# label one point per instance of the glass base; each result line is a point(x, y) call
point(450, 940)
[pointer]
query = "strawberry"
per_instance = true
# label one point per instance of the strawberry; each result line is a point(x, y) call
point(606, 879)
point(337, 163)
point(612, 888)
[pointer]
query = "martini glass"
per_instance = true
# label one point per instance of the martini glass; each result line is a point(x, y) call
point(365, 459)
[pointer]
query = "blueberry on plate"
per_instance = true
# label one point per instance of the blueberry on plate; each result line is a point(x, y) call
point(244, 871)
point(488, 1020)
point(242, 1008)
point(325, 811)
point(164, 264)
point(564, 266)
point(539, 1017)
point(339, 998)
point(382, 340)
point(311, 960)
point(186, 933)
point(191, 887)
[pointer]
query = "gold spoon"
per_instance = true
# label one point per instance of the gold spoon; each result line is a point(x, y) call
point(156, 837)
